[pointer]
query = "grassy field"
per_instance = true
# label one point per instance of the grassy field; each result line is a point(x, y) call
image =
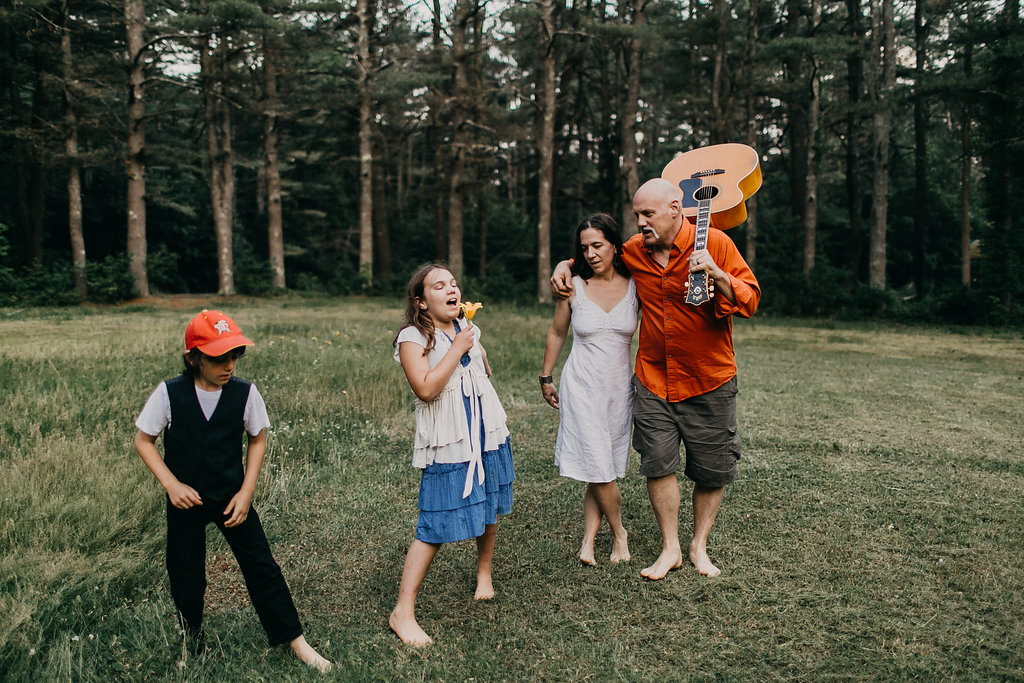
point(875, 532)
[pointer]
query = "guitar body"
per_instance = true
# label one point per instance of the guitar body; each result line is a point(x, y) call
point(725, 174)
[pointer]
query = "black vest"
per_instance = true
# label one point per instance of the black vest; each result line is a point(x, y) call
point(206, 455)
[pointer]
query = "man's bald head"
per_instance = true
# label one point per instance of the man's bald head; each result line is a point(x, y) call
point(659, 189)
point(659, 213)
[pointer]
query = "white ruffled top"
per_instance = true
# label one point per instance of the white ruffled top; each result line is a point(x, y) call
point(442, 432)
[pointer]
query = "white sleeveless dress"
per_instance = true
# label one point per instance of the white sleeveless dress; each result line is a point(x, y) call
point(595, 394)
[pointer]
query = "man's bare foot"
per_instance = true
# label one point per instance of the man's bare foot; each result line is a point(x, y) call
point(310, 656)
point(484, 587)
point(620, 550)
point(702, 563)
point(409, 631)
point(587, 553)
point(666, 562)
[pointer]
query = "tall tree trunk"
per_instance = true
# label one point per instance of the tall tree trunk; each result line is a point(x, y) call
point(720, 121)
point(135, 163)
point(464, 10)
point(271, 160)
point(435, 139)
point(922, 212)
point(750, 248)
point(19, 146)
point(608, 145)
point(797, 111)
point(965, 195)
point(883, 39)
point(35, 199)
point(74, 183)
point(218, 148)
point(810, 208)
point(381, 223)
point(855, 81)
point(481, 188)
point(965, 161)
point(365, 146)
point(630, 171)
point(546, 150)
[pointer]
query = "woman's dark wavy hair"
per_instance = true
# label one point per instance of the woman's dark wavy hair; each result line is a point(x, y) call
point(610, 229)
point(414, 315)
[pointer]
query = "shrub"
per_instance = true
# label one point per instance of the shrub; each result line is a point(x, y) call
point(110, 280)
point(162, 270)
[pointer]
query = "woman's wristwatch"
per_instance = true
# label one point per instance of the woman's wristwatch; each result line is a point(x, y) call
point(546, 379)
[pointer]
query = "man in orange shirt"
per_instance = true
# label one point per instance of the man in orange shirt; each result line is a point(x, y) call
point(685, 371)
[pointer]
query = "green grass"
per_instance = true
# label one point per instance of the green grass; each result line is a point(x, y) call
point(875, 531)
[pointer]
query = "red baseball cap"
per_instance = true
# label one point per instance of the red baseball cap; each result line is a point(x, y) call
point(214, 333)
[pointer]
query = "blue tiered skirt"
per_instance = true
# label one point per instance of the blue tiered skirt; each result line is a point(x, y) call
point(445, 516)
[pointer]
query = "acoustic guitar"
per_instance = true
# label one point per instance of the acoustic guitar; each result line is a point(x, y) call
point(715, 182)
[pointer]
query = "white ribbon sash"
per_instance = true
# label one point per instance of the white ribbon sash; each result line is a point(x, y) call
point(472, 389)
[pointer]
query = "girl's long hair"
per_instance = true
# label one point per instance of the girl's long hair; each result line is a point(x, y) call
point(414, 315)
point(610, 229)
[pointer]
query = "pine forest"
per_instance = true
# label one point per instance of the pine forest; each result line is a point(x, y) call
point(251, 147)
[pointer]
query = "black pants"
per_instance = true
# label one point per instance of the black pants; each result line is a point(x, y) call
point(186, 568)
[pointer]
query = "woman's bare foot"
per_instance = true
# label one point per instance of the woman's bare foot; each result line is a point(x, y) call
point(620, 549)
point(484, 587)
point(408, 630)
point(587, 553)
point(666, 562)
point(310, 656)
point(702, 563)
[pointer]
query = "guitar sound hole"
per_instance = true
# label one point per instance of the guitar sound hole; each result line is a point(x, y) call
point(706, 192)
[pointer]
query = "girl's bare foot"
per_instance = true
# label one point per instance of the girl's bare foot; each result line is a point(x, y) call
point(484, 587)
point(587, 553)
point(307, 654)
point(620, 550)
point(408, 630)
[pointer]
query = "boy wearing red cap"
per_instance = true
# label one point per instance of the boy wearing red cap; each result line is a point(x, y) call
point(202, 415)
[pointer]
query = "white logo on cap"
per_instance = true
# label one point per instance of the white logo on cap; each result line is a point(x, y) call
point(222, 326)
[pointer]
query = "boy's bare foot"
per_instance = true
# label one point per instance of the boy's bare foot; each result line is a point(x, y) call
point(484, 587)
point(587, 553)
point(310, 656)
point(666, 562)
point(409, 631)
point(702, 563)
point(620, 550)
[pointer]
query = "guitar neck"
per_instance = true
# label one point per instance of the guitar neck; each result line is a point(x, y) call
point(700, 238)
point(697, 289)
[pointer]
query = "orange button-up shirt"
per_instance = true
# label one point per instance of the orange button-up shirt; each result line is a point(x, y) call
point(687, 350)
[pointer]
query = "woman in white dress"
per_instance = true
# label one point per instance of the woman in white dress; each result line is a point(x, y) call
point(595, 395)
